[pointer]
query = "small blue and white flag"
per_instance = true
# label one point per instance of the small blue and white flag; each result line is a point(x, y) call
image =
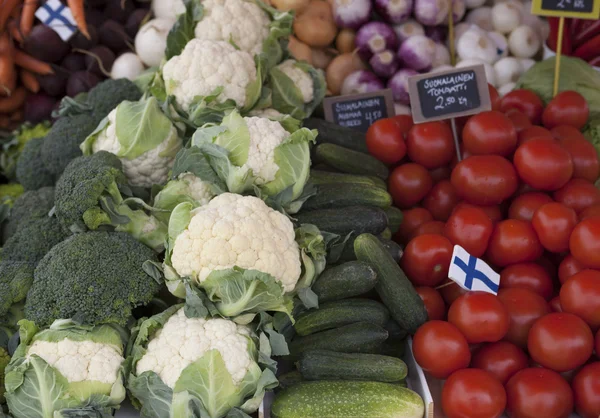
point(471, 273)
point(58, 17)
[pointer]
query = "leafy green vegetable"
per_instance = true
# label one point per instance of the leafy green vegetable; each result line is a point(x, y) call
point(183, 29)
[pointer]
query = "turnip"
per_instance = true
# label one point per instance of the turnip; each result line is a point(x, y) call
point(151, 41)
point(399, 85)
point(351, 14)
point(112, 34)
point(38, 107)
point(407, 29)
point(99, 60)
point(401, 109)
point(135, 21)
point(127, 66)
point(384, 64)
point(505, 89)
point(458, 10)
point(417, 53)
point(475, 44)
point(315, 25)
point(45, 44)
point(490, 74)
point(361, 81)
point(431, 12)
point(80, 82)
point(524, 42)
point(119, 10)
point(506, 17)
point(299, 50)
point(322, 57)
point(339, 68)
point(375, 37)
point(437, 33)
point(394, 11)
point(501, 43)
point(508, 70)
point(79, 41)
point(481, 17)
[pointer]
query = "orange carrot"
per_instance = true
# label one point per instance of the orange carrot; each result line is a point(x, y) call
point(15, 101)
point(15, 31)
point(76, 7)
point(5, 11)
point(8, 73)
point(32, 64)
point(30, 81)
point(28, 15)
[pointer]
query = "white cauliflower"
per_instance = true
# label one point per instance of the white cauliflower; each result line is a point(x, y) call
point(242, 231)
point(267, 113)
point(301, 79)
point(240, 21)
point(197, 189)
point(205, 65)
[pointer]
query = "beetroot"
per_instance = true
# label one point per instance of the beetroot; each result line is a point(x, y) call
point(54, 84)
point(134, 21)
point(94, 17)
point(45, 44)
point(99, 54)
point(119, 10)
point(81, 42)
point(80, 82)
point(73, 62)
point(38, 107)
point(112, 34)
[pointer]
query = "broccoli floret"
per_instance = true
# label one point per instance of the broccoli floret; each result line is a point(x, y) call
point(13, 147)
point(95, 277)
point(31, 171)
point(33, 240)
point(4, 360)
point(32, 204)
point(10, 192)
point(16, 278)
point(107, 95)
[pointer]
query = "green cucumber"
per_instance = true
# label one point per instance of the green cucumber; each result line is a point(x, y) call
point(339, 313)
point(342, 221)
point(289, 379)
point(360, 337)
point(318, 177)
point(394, 288)
point(394, 330)
point(329, 365)
point(350, 161)
point(393, 249)
point(386, 234)
point(339, 195)
point(393, 348)
point(379, 182)
point(344, 281)
point(332, 133)
point(394, 218)
point(347, 399)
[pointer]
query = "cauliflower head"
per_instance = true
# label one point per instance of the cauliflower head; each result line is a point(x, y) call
point(4, 359)
point(195, 188)
point(187, 187)
point(205, 66)
point(301, 79)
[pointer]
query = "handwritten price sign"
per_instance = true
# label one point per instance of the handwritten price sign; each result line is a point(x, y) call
point(581, 9)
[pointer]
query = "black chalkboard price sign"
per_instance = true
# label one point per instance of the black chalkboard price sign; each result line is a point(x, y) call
point(449, 94)
point(582, 9)
point(359, 111)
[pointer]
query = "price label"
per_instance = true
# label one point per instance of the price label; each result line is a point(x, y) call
point(449, 94)
point(359, 111)
point(581, 9)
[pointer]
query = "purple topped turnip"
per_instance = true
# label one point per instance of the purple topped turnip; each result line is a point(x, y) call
point(431, 12)
point(407, 29)
point(351, 14)
point(399, 85)
point(458, 10)
point(384, 64)
point(441, 56)
point(375, 37)
point(417, 53)
point(437, 33)
point(394, 11)
point(361, 81)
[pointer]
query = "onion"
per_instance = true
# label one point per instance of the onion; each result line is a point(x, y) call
point(526, 63)
point(431, 12)
point(339, 68)
point(375, 37)
point(501, 43)
point(505, 17)
point(508, 70)
point(286, 5)
point(524, 42)
point(473, 4)
point(384, 64)
point(299, 50)
point(437, 33)
point(475, 44)
point(507, 88)
point(399, 85)
point(441, 56)
point(127, 66)
point(490, 74)
point(407, 29)
point(481, 17)
point(315, 26)
point(417, 53)
point(322, 57)
point(344, 42)
point(351, 14)
point(361, 81)
point(394, 11)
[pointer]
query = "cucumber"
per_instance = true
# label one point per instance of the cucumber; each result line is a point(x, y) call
point(331, 133)
point(393, 348)
point(289, 379)
point(342, 221)
point(392, 248)
point(394, 330)
point(339, 195)
point(344, 281)
point(386, 234)
point(394, 218)
point(329, 365)
point(393, 287)
point(347, 399)
point(360, 337)
point(318, 177)
point(339, 313)
point(351, 162)
point(379, 182)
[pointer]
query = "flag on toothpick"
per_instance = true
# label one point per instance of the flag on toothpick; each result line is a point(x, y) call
point(471, 273)
point(58, 17)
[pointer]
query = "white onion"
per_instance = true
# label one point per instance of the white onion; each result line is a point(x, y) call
point(127, 66)
point(505, 17)
point(490, 74)
point(524, 42)
point(507, 70)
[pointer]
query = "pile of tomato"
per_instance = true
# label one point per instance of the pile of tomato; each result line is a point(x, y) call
point(523, 199)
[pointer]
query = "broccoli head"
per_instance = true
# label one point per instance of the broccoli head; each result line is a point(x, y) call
point(13, 147)
point(107, 95)
point(95, 277)
point(33, 240)
point(8, 194)
point(31, 171)
point(4, 360)
point(30, 205)
point(15, 280)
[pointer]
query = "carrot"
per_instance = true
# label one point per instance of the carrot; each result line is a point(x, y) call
point(5, 11)
point(76, 7)
point(29, 80)
point(15, 32)
point(32, 64)
point(15, 101)
point(28, 15)
point(8, 73)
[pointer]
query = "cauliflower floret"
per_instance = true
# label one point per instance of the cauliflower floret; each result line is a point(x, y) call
point(240, 21)
point(300, 78)
point(198, 190)
point(80, 361)
point(205, 65)
point(234, 230)
point(265, 136)
point(184, 340)
point(267, 113)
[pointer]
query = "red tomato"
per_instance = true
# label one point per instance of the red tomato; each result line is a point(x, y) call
point(560, 341)
point(597, 344)
point(409, 184)
point(586, 388)
point(426, 259)
point(494, 97)
point(529, 276)
point(524, 307)
point(493, 212)
point(431, 227)
point(589, 212)
point(480, 316)
point(471, 228)
point(524, 206)
point(404, 122)
point(580, 295)
point(524, 101)
point(553, 224)
point(484, 179)
point(441, 200)
point(440, 173)
point(411, 219)
point(565, 132)
point(473, 393)
point(451, 291)
point(538, 393)
point(512, 242)
point(555, 304)
point(578, 194)
point(385, 141)
point(440, 349)
point(533, 132)
point(543, 164)
point(585, 242)
point(436, 308)
point(430, 144)
point(568, 267)
point(519, 119)
point(502, 359)
point(490, 133)
point(585, 157)
point(566, 108)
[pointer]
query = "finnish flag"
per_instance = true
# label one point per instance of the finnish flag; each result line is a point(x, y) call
point(58, 17)
point(471, 273)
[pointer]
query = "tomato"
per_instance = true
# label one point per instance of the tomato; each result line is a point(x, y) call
point(385, 141)
point(529, 276)
point(519, 120)
point(565, 131)
point(411, 219)
point(431, 227)
point(538, 393)
point(450, 291)
point(524, 101)
point(585, 157)
point(589, 212)
point(404, 122)
point(555, 304)
point(494, 212)
point(580, 295)
point(543, 164)
point(553, 224)
point(560, 341)
point(490, 133)
point(409, 184)
point(484, 179)
point(440, 349)
point(513, 241)
point(502, 359)
point(524, 307)
point(430, 144)
point(585, 242)
point(436, 308)
point(440, 173)
point(471, 228)
point(578, 194)
point(473, 393)
point(480, 316)
point(568, 267)
point(426, 259)
point(586, 389)
point(494, 97)
point(441, 200)
point(566, 108)
point(524, 206)
point(597, 344)
point(533, 132)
